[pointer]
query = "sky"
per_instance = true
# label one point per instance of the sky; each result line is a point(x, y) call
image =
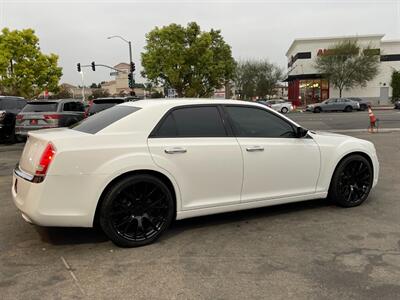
point(77, 30)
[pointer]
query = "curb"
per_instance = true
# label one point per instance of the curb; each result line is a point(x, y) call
point(386, 130)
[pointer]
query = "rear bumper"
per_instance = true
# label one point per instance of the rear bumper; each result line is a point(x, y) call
point(66, 201)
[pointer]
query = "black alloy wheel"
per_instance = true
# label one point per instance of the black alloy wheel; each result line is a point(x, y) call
point(348, 109)
point(317, 109)
point(352, 181)
point(137, 210)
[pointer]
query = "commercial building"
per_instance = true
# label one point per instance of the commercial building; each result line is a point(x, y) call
point(306, 86)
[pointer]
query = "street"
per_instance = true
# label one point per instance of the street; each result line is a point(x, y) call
point(309, 250)
point(346, 121)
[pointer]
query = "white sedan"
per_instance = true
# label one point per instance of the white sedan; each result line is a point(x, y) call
point(136, 167)
point(278, 105)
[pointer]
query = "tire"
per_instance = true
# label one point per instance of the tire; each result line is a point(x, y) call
point(317, 110)
point(136, 210)
point(363, 107)
point(284, 110)
point(20, 138)
point(12, 139)
point(351, 181)
point(348, 109)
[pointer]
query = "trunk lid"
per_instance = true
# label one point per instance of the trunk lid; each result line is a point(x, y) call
point(36, 144)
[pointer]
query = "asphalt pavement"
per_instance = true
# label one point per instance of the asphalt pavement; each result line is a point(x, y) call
point(388, 119)
point(308, 250)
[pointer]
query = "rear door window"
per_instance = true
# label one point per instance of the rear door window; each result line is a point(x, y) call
point(40, 107)
point(201, 121)
point(99, 121)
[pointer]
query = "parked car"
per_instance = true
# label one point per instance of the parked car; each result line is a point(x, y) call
point(334, 104)
point(363, 103)
point(279, 105)
point(9, 108)
point(48, 114)
point(397, 104)
point(100, 104)
point(134, 168)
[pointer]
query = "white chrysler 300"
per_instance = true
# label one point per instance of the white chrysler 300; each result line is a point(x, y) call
point(134, 168)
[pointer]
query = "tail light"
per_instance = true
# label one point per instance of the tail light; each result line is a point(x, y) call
point(2, 115)
point(53, 118)
point(19, 117)
point(45, 160)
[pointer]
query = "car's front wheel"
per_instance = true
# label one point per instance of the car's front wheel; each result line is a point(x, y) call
point(137, 210)
point(348, 109)
point(284, 110)
point(351, 181)
point(317, 109)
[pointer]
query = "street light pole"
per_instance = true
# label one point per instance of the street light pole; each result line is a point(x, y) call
point(130, 51)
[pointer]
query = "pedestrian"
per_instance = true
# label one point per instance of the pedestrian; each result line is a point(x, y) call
point(372, 120)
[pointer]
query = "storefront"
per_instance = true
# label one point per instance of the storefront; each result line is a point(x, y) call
point(306, 86)
point(303, 91)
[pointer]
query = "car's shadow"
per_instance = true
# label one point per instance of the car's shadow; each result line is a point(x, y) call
point(76, 236)
point(244, 215)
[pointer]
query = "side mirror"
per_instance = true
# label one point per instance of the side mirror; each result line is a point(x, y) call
point(301, 132)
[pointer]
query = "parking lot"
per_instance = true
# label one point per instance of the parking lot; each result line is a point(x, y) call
point(310, 250)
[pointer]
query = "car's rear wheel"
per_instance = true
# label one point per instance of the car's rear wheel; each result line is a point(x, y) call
point(137, 210)
point(348, 109)
point(351, 181)
point(284, 110)
point(317, 109)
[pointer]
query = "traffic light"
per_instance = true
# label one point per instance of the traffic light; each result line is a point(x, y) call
point(78, 65)
point(133, 67)
point(130, 80)
point(93, 66)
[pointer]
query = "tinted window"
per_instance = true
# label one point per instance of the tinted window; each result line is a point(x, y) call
point(254, 122)
point(204, 121)
point(99, 105)
point(40, 107)
point(103, 119)
point(21, 104)
point(9, 103)
point(72, 106)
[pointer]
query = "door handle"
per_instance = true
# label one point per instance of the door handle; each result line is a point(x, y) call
point(254, 148)
point(175, 150)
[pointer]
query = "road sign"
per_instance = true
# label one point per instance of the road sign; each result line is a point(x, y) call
point(114, 73)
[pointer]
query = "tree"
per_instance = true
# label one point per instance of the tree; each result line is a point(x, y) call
point(191, 61)
point(63, 93)
point(395, 84)
point(95, 86)
point(347, 65)
point(24, 70)
point(256, 78)
point(100, 93)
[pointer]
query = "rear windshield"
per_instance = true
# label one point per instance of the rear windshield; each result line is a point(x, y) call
point(40, 107)
point(99, 121)
point(99, 105)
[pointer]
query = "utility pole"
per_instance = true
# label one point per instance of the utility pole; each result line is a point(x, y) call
point(131, 81)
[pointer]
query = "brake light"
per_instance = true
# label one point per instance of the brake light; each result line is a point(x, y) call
point(19, 117)
point(52, 117)
point(47, 157)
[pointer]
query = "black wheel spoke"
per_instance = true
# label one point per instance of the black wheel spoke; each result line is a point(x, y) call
point(355, 181)
point(139, 211)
